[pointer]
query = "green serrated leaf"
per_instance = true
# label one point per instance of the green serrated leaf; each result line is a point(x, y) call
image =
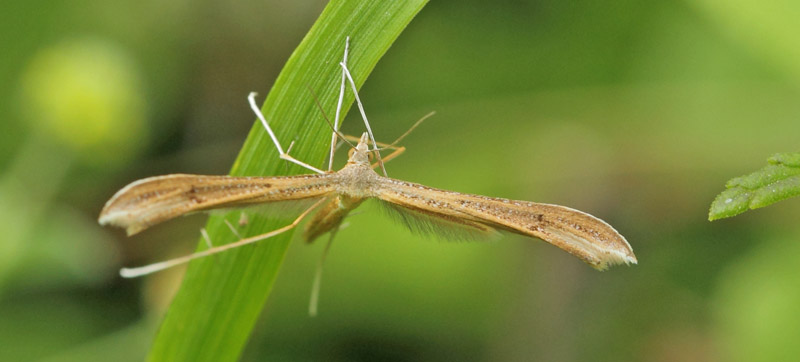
point(775, 192)
point(220, 298)
point(763, 177)
point(730, 202)
point(775, 182)
point(788, 159)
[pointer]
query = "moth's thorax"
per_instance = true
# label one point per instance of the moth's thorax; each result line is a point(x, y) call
point(357, 180)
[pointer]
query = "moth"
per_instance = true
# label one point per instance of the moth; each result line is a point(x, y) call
point(332, 195)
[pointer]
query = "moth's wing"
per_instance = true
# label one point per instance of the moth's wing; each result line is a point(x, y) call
point(578, 233)
point(423, 222)
point(283, 210)
point(153, 200)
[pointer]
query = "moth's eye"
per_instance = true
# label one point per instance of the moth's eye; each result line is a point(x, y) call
point(370, 156)
point(351, 152)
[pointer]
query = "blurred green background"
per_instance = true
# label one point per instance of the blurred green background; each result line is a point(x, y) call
point(635, 111)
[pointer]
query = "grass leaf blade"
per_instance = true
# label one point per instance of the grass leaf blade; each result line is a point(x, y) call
point(221, 297)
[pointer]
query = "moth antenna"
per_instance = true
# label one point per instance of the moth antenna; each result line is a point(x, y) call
point(327, 120)
point(417, 123)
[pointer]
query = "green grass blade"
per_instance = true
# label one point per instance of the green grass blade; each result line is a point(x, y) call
point(220, 299)
point(777, 181)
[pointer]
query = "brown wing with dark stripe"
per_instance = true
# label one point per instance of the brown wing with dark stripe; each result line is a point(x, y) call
point(578, 233)
point(153, 200)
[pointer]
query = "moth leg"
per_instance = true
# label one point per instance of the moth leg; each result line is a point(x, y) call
point(243, 219)
point(152, 268)
point(283, 155)
point(338, 107)
point(313, 302)
point(363, 116)
point(233, 229)
point(204, 233)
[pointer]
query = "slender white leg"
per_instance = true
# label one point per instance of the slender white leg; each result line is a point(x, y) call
point(338, 107)
point(313, 302)
point(206, 238)
point(243, 219)
point(283, 155)
point(152, 268)
point(233, 229)
point(364, 116)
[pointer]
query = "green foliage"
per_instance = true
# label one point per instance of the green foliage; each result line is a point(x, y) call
point(536, 100)
point(220, 299)
point(777, 181)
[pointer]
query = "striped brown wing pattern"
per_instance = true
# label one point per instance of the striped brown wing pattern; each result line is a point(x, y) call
point(153, 200)
point(578, 233)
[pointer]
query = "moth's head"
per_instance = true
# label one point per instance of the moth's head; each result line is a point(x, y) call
point(360, 154)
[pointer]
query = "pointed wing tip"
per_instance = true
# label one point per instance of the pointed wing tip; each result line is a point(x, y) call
point(104, 219)
point(615, 258)
point(118, 220)
point(620, 253)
